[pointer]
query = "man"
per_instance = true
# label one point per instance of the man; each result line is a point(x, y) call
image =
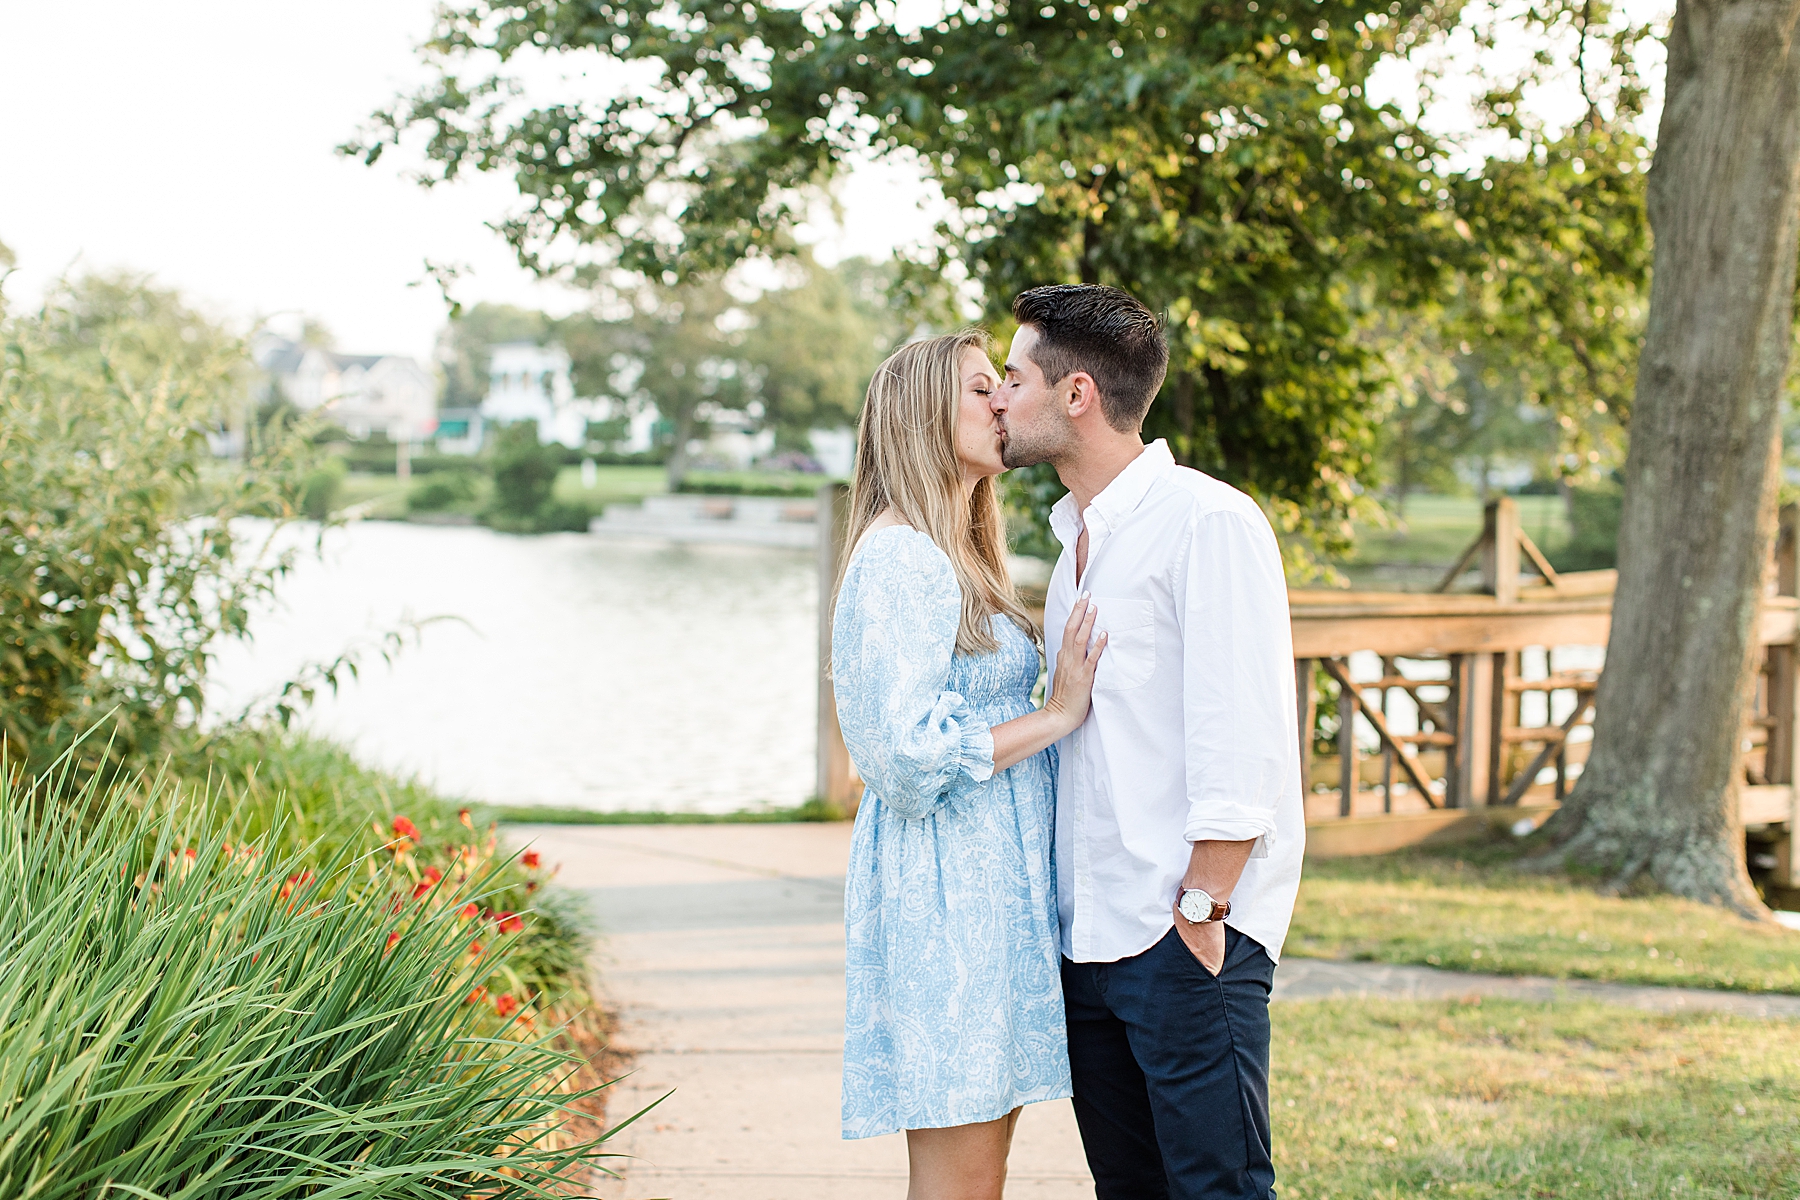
point(1179, 824)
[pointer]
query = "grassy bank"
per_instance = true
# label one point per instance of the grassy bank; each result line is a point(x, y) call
point(383, 497)
point(544, 814)
point(1507, 1099)
point(1473, 910)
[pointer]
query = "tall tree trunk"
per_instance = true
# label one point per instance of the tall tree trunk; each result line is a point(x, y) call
point(1659, 797)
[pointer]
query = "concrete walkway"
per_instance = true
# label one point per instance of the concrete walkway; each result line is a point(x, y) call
point(724, 952)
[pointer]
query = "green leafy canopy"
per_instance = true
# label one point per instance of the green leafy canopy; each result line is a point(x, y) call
point(1226, 162)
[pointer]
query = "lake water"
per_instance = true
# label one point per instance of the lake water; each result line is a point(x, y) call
point(590, 672)
point(581, 671)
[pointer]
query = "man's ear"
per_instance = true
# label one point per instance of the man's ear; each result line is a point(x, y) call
point(1083, 395)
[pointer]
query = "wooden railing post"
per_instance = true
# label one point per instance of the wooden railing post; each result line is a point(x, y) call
point(1307, 702)
point(1497, 675)
point(1347, 780)
point(1500, 549)
point(1782, 762)
point(837, 784)
point(1787, 560)
point(1456, 764)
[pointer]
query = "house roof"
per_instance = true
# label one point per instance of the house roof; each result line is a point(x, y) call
point(284, 357)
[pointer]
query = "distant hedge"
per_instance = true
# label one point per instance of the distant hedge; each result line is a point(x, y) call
point(377, 458)
point(748, 483)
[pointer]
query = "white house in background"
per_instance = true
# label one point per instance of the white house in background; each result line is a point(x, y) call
point(364, 393)
point(529, 382)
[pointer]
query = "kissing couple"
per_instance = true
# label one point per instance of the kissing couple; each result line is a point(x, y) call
point(1085, 898)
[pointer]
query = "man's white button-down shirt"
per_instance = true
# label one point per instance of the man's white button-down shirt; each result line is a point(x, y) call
point(1193, 733)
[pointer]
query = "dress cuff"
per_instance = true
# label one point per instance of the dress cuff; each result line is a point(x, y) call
point(977, 749)
point(975, 754)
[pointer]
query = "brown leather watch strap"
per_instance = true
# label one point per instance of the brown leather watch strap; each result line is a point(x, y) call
point(1220, 908)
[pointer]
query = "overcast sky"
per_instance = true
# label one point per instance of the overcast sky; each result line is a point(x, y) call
point(194, 141)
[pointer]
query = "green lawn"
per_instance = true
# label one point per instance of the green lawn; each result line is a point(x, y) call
point(1435, 529)
point(378, 497)
point(1505, 1099)
point(612, 485)
point(1478, 913)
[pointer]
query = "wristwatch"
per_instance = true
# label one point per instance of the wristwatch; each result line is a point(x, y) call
point(1198, 908)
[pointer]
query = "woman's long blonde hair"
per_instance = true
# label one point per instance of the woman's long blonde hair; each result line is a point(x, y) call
point(906, 459)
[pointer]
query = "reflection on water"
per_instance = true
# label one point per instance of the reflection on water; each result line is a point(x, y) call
point(590, 673)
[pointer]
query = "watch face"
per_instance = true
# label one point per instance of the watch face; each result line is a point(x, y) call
point(1196, 905)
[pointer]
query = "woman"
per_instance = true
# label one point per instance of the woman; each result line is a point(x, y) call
point(954, 1014)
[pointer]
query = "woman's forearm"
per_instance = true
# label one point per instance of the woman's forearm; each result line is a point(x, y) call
point(1020, 738)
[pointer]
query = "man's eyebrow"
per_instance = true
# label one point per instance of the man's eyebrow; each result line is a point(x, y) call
point(1009, 366)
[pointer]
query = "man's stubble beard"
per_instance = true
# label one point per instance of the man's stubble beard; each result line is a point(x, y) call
point(1051, 441)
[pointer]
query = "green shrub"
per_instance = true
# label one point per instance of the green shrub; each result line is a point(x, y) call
point(182, 1015)
point(524, 472)
point(525, 482)
point(442, 490)
point(319, 494)
point(124, 557)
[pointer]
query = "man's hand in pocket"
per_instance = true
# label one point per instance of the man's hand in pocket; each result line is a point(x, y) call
point(1205, 942)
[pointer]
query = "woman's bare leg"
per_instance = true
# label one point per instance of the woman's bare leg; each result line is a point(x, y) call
point(964, 1162)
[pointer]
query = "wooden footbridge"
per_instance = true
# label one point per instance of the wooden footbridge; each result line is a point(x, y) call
point(1427, 716)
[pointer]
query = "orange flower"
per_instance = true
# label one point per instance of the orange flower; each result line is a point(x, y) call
point(470, 911)
point(474, 949)
point(295, 881)
point(510, 922)
point(392, 938)
point(505, 1005)
point(476, 996)
point(531, 859)
point(432, 874)
point(421, 890)
point(405, 828)
point(462, 814)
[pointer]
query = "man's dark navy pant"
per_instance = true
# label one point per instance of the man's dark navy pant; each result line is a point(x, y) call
point(1172, 1072)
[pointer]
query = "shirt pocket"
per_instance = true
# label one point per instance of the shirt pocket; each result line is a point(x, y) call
point(1130, 657)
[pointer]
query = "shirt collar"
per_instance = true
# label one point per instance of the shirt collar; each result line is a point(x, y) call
point(1118, 499)
point(1128, 488)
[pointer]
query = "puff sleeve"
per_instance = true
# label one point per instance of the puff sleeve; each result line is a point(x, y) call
point(917, 744)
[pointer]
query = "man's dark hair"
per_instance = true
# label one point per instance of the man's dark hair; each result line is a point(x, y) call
point(1105, 332)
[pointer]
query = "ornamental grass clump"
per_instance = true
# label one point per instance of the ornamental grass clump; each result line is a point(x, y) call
point(185, 1017)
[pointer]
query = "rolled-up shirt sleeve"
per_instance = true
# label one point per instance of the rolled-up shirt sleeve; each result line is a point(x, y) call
point(1238, 679)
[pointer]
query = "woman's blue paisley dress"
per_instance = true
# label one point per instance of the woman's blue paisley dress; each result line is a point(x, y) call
point(954, 1012)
